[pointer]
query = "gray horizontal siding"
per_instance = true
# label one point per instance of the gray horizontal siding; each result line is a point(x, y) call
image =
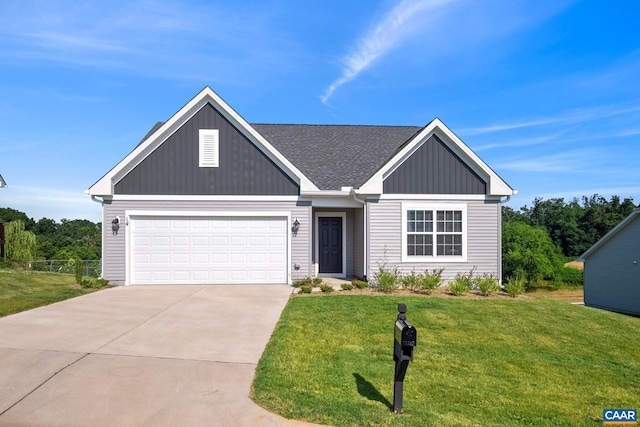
point(173, 168)
point(483, 240)
point(612, 273)
point(434, 169)
point(114, 245)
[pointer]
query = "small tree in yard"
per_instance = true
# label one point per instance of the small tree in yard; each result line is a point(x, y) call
point(528, 252)
point(78, 266)
point(20, 245)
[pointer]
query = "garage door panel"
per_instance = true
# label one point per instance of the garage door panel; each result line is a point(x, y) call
point(161, 241)
point(200, 258)
point(161, 258)
point(181, 241)
point(200, 241)
point(208, 250)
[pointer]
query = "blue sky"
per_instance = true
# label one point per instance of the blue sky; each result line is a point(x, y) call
point(546, 92)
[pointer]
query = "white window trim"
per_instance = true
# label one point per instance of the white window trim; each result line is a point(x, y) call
point(434, 207)
point(316, 265)
point(209, 140)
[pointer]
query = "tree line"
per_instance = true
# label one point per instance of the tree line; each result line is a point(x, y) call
point(49, 239)
point(538, 239)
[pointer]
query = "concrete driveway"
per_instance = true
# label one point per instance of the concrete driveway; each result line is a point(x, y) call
point(140, 356)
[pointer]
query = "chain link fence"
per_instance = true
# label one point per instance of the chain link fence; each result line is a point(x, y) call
point(91, 266)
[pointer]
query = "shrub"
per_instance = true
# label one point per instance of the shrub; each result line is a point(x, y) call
point(462, 283)
point(305, 289)
point(307, 281)
point(360, 284)
point(387, 279)
point(487, 284)
point(569, 276)
point(346, 286)
point(326, 288)
point(93, 283)
point(78, 269)
point(515, 285)
point(430, 280)
point(411, 280)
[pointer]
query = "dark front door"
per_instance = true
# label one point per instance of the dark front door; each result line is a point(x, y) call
point(330, 245)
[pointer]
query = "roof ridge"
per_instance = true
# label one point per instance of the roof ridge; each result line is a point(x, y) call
point(341, 125)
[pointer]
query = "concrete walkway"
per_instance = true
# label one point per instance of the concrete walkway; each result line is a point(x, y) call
point(140, 356)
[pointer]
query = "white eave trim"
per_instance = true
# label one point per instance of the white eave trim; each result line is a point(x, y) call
point(104, 186)
point(496, 186)
point(203, 198)
point(326, 193)
point(604, 239)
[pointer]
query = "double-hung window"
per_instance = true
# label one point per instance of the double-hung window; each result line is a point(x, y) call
point(434, 232)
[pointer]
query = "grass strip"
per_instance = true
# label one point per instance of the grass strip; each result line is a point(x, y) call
point(24, 290)
point(479, 362)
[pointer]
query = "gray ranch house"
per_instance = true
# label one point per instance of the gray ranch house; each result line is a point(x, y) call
point(612, 268)
point(207, 198)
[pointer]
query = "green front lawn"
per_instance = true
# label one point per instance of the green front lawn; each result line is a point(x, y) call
point(24, 290)
point(479, 362)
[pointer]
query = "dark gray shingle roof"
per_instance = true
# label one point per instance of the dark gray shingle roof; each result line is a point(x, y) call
point(333, 156)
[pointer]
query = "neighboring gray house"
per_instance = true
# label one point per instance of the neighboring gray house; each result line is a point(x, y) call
point(612, 270)
point(208, 198)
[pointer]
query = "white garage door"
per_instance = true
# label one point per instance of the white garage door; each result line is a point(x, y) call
point(203, 250)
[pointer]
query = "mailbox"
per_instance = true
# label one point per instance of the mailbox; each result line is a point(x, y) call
point(404, 340)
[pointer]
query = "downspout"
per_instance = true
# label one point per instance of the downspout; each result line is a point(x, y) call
point(95, 199)
point(364, 224)
point(500, 241)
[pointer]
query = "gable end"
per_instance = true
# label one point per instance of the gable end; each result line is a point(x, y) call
point(434, 169)
point(235, 166)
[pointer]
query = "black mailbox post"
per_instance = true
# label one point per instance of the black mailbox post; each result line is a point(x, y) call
point(405, 337)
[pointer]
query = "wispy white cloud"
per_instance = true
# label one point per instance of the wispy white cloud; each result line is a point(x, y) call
point(51, 203)
point(57, 40)
point(565, 118)
point(563, 162)
point(387, 34)
point(207, 41)
point(523, 142)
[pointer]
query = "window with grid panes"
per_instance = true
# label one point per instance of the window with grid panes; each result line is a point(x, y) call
point(434, 233)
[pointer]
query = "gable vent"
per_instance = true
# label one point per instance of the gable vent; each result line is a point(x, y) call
point(209, 148)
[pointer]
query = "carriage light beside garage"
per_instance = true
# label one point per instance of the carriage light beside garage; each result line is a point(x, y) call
point(295, 226)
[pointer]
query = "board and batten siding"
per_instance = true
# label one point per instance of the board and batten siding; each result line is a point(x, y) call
point(612, 272)
point(434, 169)
point(483, 239)
point(114, 245)
point(173, 167)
